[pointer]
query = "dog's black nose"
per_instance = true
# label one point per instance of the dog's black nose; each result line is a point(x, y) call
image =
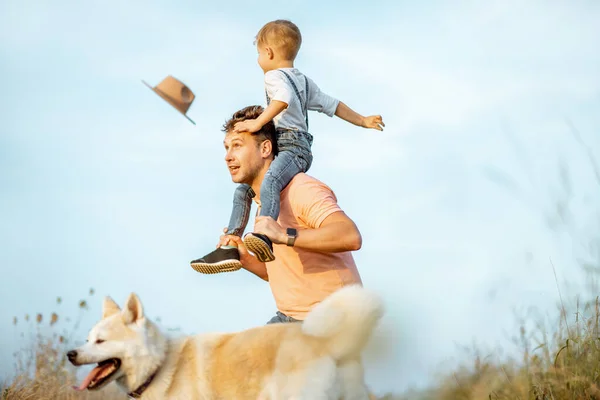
point(72, 355)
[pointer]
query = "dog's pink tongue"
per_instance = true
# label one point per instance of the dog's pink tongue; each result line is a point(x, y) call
point(95, 372)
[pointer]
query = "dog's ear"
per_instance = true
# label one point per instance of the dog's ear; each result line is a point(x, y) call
point(133, 311)
point(109, 307)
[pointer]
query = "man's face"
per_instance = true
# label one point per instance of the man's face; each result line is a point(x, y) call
point(244, 157)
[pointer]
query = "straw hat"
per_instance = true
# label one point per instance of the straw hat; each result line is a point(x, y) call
point(175, 93)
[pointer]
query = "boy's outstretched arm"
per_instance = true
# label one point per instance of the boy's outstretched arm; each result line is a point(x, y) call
point(254, 125)
point(347, 114)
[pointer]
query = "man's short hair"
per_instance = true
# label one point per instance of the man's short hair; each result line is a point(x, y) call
point(283, 34)
point(267, 132)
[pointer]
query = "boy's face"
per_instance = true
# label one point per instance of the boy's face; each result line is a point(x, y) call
point(265, 57)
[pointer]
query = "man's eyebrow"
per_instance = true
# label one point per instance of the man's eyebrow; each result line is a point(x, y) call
point(235, 139)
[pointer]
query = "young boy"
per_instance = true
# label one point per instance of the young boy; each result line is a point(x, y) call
point(290, 94)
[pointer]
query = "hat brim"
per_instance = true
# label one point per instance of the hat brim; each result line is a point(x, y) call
point(167, 99)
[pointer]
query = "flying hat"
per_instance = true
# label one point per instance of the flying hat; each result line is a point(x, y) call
point(175, 93)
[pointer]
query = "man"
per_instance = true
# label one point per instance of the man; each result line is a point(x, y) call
point(312, 238)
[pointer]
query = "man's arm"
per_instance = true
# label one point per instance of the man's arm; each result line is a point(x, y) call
point(252, 264)
point(336, 233)
point(347, 114)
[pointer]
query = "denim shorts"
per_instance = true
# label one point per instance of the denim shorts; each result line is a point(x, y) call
point(281, 318)
point(298, 143)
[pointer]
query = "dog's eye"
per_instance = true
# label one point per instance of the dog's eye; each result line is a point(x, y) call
point(98, 341)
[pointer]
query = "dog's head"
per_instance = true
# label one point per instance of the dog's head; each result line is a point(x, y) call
point(115, 343)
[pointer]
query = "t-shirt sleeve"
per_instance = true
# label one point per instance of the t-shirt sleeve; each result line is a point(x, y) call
point(313, 202)
point(277, 87)
point(320, 101)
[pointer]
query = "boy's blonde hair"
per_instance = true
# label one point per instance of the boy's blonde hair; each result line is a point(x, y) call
point(283, 34)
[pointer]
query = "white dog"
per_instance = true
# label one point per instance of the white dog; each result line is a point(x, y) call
point(319, 358)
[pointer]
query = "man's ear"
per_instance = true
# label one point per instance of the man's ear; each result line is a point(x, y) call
point(266, 149)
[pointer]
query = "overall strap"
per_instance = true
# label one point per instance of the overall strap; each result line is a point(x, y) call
point(303, 104)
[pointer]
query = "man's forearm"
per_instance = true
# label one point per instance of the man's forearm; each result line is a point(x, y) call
point(347, 114)
point(334, 237)
point(258, 268)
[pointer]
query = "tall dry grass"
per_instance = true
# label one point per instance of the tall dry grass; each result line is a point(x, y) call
point(560, 364)
point(41, 369)
point(558, 359)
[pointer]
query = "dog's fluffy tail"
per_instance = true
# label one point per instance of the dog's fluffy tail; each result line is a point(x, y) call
point(345, 320)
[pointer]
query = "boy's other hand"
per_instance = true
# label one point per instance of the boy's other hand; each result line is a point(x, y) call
point(373, 122)
point(249, 125)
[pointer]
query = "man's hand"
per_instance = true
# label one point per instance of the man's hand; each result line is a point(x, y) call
point(232, 240)
point(249, 125)
point(268, 226)
point(373, 122)
point(249, 262)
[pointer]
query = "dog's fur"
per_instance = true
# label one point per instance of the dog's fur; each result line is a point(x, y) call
point(319, 358)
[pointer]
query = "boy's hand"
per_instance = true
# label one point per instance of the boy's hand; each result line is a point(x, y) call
point(373, 122)
point(249, 125)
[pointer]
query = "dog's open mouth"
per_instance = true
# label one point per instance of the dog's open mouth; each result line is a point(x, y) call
point(100, 375)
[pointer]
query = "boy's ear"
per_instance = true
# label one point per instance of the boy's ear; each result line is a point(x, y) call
point(270, 53)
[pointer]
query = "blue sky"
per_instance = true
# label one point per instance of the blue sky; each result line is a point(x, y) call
point(104, 185)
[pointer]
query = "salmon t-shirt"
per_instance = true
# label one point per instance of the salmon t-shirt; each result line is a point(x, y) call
point(300, 278)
